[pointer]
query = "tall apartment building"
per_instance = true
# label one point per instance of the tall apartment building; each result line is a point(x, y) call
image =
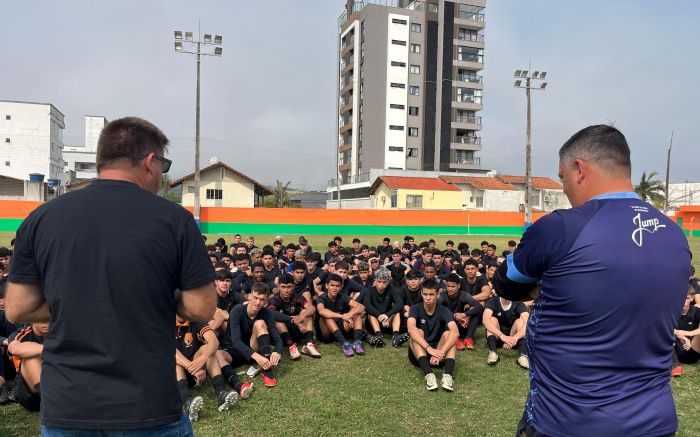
point(31, 140)
point(410, 89)
point(80, 162)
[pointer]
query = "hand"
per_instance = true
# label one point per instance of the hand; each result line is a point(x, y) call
point(436, 353)
point(200, 376)
point(302, 328)
point(685, 341)
point(275, 359)
point(382, 318)
point(434, 361)
point(460, 318)
point(297, 319)
point(263, 362)
point(347, 317)
point(508, 341)
point(196, 365)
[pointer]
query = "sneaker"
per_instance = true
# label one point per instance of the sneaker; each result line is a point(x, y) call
point(12, 395)
point(447, 382)
point(469, 344)
point(347, 349)
point(376, 340)
point(523, 361)
point(193, 407)
point(294, 352)
point(246, 390)
point(269, 381)
point(492, 358)
point(226, 399)
point(358, 347)
point(310, 350)
point(399, 339)
point(677, 371)
point(4, 394)
point(459, 344)
point(252, 371)
point(431, 382)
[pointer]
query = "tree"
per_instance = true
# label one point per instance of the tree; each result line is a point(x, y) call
point(651, 189)
point(166, 192)
point(279, 197)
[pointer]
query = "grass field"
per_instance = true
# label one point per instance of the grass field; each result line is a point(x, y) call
point(379, 393)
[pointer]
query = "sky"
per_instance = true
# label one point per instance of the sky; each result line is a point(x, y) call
point(267, 105)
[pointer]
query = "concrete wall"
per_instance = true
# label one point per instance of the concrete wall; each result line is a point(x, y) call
point(501, 200)
point(237, 191)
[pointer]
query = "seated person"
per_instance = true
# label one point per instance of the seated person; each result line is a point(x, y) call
point(410, 292)
point(338, 311)
point(433, 335)
point(243, 283)
point(383, 306)
point(25, 347)
point(195, 358)
point(474, 284)
point(363, 276)
point(294, 318)
point(225, 300)
point(503, 316)
point(7, 368)
point(465, 311)
point(398, 268)
point(430, 274)
point(687, 347)
point(251, 330)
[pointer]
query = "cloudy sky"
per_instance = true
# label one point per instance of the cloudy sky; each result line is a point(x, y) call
point(268, 103)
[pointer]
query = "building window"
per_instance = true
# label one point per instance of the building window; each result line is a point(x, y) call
point(480, 202)
point(432, 7)
point(394, 200)
point(470, 54)
point(7, 163)
point(398, 21)
point(412, 131)
point(398, 42)
point(414, 90)
point(395, 127)
point(395, 106)
point(468, 95)
point(398, 64)
point(414, 201)
point(190, 189)
point(7, 140)
point(222, 173)
point(412, 110)
point(415, 48)
point(414, 69)
point(215, 194)
point(398, 85)
point(412, 152)
point(415, 27)
point(8, 117)
point(362, 25)
point(395, 149)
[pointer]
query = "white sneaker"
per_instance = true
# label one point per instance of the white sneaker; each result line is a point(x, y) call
point(492, 358)
point(431, 382)
point(447, 382)
point(523, 361)
point(310, 350)
point(294, 352)
point(252, 371)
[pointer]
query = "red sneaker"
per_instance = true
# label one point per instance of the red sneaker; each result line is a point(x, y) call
point(469, 344)
point(677, 371)
point(269, 381)
point(459, 344)
point(246, 390)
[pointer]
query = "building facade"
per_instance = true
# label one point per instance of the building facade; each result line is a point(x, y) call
point(80, 163)
point(31, 140)
point(410, 92)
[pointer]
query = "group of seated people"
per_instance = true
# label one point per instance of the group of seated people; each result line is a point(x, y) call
point(282, 299)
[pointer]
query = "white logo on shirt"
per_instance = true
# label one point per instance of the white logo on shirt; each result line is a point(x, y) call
point(649, 225)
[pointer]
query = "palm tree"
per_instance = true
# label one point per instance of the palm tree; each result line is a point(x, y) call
point(166, 191)
point(651, 189)
point(279, 197)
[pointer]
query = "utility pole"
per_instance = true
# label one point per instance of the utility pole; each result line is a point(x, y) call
point(668, 171)
point(529, 79)
point(337, 121)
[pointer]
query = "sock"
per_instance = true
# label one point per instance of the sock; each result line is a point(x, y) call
point(286, 339)
point(395, 333)
point(449, 366)
point(307, 337)
point(339, 336)
point(377, 332)
point(231, 377)
point(218, 383)
point(185, 393)
point(357, 334)
point(522, 346)
point(424, 363)
point(492, 342)
point(265, 351)
point(472, 325)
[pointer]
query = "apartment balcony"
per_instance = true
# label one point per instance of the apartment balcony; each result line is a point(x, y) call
point(345, 146)
point(345, 166)
point(469, 61)
point(353, 179)
point(469, 81)
point(347, 67)
point(465, 142)
point(467, 122)
point(471, 20)
point(347, 107)
point(476, 41)
point(459, 162)
point(346, 126)
point(346, 86)
point(472, 103)
point(347, 47)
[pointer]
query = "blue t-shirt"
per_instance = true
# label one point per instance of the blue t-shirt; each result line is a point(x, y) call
point(614, 276)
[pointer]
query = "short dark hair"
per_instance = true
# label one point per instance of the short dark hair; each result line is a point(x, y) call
point(332, 244)
point(601, 145)
point(240, 257)
point(342, 265)
point(286, 279)
point(437, 252)
point(512, 243)
point(128, 139)
point(334, 277)
point(387, 239)
point(492, 246)
point(428, 264)
point(356, 240)
point(413, 274)
point(470, 262)
point(260, 288)
point(4, 251)
point(430, 284)
point(453, 277)
point(484, 243)
point(476, 252)
point(257, 265)
point(224, 274)
point(277, 243)
point(449, 243)
point(291, 246)
point(462, 246)
point(299, 265)
point(221, 265)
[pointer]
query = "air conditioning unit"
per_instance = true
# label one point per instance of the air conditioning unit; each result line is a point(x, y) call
point(521, 208)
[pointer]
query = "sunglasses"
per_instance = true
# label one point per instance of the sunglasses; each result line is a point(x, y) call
point(166, 162)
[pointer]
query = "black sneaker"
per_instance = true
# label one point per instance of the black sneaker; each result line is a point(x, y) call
point(374, 340)
point(193, 407)
point(4, 394)
point(227, 399)
point(399, 339)
point(12, 395)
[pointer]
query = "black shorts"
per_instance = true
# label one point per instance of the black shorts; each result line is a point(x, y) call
point(348, 335)
point(237, 358)
point(412, 358)
point(689, 356)
point(26, 398)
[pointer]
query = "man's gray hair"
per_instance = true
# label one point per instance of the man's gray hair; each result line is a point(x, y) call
point(601, 145)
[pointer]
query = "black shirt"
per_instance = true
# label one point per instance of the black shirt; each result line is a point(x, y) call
point(409, 297)
point(463, 302)
point(227, 302)
point(398, 272)
point(690, 321)
point(340, 305)
point(270, 275)
point(292, 307)
point(474, 288)
point(388, 303)
point(433, 326)
point(506, 318)
point(109, 258)
point(240, 329)
point(190, 337)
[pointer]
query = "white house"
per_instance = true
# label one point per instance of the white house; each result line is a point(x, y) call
point(80, 162)
point(485, 193)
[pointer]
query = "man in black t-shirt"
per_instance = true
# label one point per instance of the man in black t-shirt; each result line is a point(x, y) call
point(465, 311)
point(433, 335)
point(338, 311)
point(293, 313)
point(102, 269)
point(383, 306)
point(25, 347)
point(687, 347)
point(505, 322)
point(195, 358)
point(398, 267)
point(244, 283)
point(410, 292)
point(475, 284)
point(363, 276)
point(272, 271)
point(225, 300)
point(384, 251)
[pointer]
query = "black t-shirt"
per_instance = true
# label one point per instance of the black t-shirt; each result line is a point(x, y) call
point(506, 318)
point(227, 302)
point(295, 305)
point(433, 326)
point(340, 305)
point(384, 253)
point(367, 284)
point(240, 329)
point(377, 303)
point(690, 321)
point(244, 283)
point(272, 274)
point(109, 258)
point(463, 302)
point(190, 337)
point(409, 297)
point(475, 288)
point(398, 272)
point(6, 327)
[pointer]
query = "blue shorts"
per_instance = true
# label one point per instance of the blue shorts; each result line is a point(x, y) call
point(182, 428)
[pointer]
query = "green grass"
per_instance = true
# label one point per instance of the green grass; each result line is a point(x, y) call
point(379, 393)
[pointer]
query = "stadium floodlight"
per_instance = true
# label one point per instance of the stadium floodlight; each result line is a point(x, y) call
point(518, 83)
point(188, 36)
point(535, 74)
point(523, 73)
point(178, 35)
point(218, 39)
point(217, 51)
point(543, 86)
point(543, 74)
point(178, 46)
point(517, 73)
point(207, 38)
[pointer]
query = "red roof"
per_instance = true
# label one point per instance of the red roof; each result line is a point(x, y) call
point(478, 182)
point(411, 183)
point(538, 183)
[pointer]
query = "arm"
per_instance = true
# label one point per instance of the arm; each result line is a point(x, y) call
point(180, 359)
point(491, 323)
point(451, 337)
point(397, 302)
point(235, 334)
point(475, 306)
point(25, 303)
point(692, 333)
point(416, 333)
point(197, 304)
point(485, 293)
point(367, 302)
point(27, 349)
point(355, 308)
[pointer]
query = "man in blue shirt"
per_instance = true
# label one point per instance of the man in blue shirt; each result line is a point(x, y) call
point(600, 335)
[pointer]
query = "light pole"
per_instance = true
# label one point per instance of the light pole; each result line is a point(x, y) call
point(197, 46)
point(525, 75)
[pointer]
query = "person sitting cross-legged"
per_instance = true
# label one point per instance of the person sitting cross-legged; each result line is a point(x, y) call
point(687, 344)
point(465, 310)
point(505, 322)
point(338, 311)
point(25, 346)
point(433, 335)
point(383, 305)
